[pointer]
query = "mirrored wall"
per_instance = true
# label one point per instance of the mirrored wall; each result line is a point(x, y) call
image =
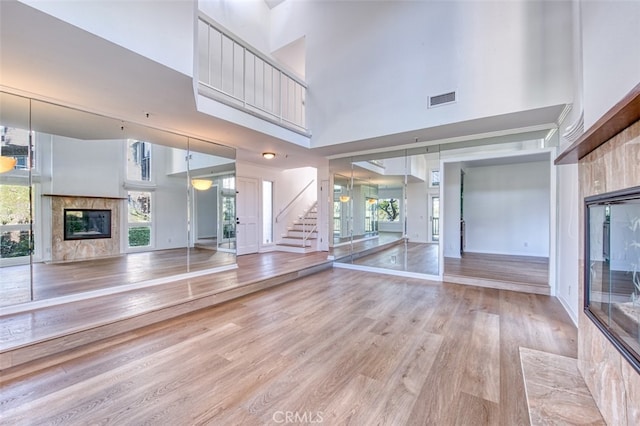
point(89, 202)
point(386, 211)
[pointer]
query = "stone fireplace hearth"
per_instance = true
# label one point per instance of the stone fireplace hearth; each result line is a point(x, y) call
point(74, 250)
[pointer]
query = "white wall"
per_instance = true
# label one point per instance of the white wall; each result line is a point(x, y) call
point(160, 30)
point(370, 75)
point(611, 57)
point(170, 198)
point(567, 238)
point(206, 213)
point(86, 168)
point(450, 212)
point(417, 214)
point(506, 209)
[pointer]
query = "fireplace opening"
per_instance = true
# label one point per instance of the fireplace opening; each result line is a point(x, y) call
point(86, 224)
point(612, 268)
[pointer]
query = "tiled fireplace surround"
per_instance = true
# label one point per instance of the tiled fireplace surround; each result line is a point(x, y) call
point(74, 250)
point(613, 382)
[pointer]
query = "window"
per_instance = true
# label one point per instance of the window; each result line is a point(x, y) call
point(267, 212)
point(388, 210)
point(139, 219)
point(434, 178)
point(138, 161)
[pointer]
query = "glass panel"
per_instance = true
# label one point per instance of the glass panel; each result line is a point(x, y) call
point(212, 213)
point(16, 230)
point(613, 269)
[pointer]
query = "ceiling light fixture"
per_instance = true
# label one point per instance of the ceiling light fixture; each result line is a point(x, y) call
point(344, 198)
point(201, 184)
point(7, 163)
point(268, 155)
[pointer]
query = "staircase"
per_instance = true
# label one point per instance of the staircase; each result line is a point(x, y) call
point(302, 235)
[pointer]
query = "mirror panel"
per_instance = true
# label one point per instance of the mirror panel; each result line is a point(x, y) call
point(212, 206)
point(107, 203)
point(15, 200)
point(394, 211)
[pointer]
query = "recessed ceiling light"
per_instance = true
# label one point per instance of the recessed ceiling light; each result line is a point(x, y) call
point(268, 155)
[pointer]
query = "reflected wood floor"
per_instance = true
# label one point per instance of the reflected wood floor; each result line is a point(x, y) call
point(345, 346)
point(411, 257)
point(61, 279)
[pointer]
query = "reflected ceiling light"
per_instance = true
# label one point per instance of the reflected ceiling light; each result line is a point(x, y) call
point(201, 184)
point(7, 163)
point(371, 200)
point(344, 198)
point(268, 155)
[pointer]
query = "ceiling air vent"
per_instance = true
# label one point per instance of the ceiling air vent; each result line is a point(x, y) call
point(445, 98)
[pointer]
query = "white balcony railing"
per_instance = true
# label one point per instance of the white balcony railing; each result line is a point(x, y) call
point(238, 75)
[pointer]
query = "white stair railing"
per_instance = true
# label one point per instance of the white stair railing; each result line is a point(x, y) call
point(238, 75)
point(297, 197)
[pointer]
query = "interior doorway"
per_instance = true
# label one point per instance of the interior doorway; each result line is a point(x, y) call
point(206, 219)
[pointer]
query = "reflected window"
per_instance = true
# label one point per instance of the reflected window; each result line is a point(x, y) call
point(435, 219)
point(228, 211)
point(138, 161)
point(388, 210)
point(370, 215)
point(139, 219)
point(14, 143)
point(337, 217)
point(15, 215)
point(435, 178)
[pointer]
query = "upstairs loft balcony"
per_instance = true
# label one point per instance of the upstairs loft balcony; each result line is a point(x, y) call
point(231, 72)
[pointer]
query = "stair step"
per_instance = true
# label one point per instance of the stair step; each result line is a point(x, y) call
point(298, 227)
point(294, 237)
point(294, 242)
point(300, 233)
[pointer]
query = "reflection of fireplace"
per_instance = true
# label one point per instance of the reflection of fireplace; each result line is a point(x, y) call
point(85, 224)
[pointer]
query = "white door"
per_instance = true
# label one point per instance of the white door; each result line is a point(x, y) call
point(247, 229)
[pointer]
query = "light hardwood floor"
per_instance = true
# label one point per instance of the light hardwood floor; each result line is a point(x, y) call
point(340, 346)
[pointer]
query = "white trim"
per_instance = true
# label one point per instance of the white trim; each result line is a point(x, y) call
point(567, 308)
point(46, 303)
point(407, 274)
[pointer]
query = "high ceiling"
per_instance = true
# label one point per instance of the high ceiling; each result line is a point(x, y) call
point(45, 58)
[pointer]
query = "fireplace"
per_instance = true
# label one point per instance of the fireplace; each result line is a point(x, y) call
point(84, 227)
point(86, 224)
